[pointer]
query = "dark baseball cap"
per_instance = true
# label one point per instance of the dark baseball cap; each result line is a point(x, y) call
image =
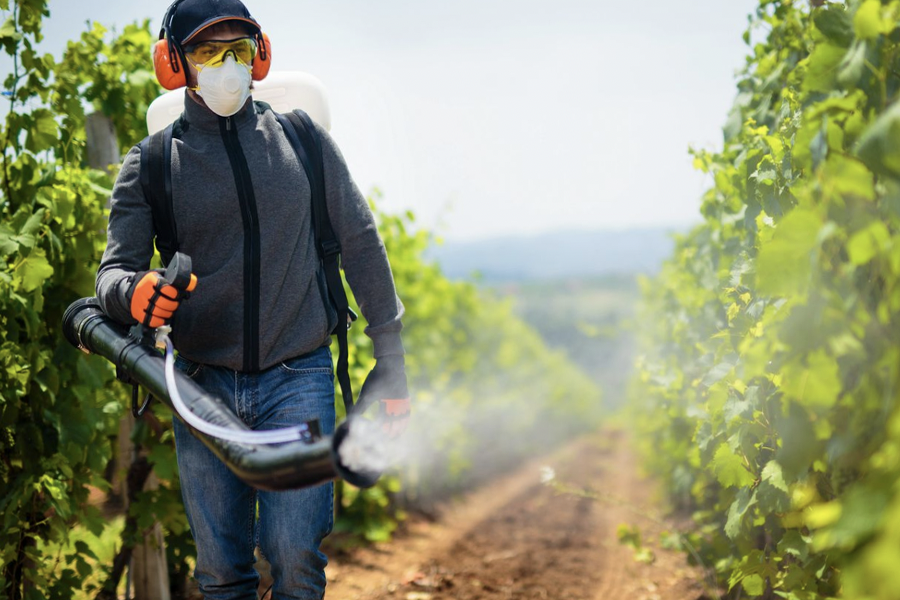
point(191, 16)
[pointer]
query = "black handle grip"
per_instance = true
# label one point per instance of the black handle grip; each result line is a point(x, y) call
point(178, 273)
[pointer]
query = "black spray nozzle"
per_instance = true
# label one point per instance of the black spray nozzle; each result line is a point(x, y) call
point(360, 477)
point(75, 318)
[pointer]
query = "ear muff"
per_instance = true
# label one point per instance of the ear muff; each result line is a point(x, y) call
point(263, 60)
point(166, 73)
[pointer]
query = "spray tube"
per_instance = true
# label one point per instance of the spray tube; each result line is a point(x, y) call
point(301, 457)
point(272, 436)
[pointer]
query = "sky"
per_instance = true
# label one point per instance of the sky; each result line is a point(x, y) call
point(490, 118)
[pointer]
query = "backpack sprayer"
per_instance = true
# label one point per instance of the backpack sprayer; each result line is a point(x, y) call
point(302, 457)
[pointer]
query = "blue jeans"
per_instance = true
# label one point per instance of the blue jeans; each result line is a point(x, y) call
point(222, 510)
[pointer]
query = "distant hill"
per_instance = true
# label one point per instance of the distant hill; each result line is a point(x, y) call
point(557, 255)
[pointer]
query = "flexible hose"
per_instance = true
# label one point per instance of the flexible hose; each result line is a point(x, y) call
point(272, 436)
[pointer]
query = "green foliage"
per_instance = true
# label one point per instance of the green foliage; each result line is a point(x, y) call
point(57, 409)
point(121, 82)
point(768, 389)
point(631, 536)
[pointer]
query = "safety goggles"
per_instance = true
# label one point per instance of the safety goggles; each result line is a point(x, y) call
point(213, 52)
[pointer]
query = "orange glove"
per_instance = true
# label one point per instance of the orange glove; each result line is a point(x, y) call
point(154, 300)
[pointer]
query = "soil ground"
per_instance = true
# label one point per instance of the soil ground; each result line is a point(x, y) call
point(523, 539)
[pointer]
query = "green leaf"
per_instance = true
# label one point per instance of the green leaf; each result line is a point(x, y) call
point(799, 444)
point(744, 500)
point(163, 459)
point(835, 24)
point(853, 65)
point(8, 245)
point(802, 329)
point(754, 585)
point(736, 407)
point(34, 270)
point(818, 146)
point(879, 145)
point(82, 548)
point(822, 67)
point(866, 244)
point(34, 222)
point(850, 177)
point(629, 535)
point(794, 543)
point(868, 23)
point(43, 131)
point(82, 567)
point(644, 555)
point(772, 493)
point(717, 373)
point(25, 241)
point(729, 468)
point(784, 264)
point(817, 384)
point(773, 475)
point(8, 31)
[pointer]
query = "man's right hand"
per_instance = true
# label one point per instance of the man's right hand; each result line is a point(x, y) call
point(153, 301)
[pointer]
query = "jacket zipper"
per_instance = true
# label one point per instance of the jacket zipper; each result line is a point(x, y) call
point(250, 217)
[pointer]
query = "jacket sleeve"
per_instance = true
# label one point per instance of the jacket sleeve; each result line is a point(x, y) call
point(129, 245)
point(363, 256)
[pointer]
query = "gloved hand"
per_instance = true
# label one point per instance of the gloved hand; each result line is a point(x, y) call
point(386, 384)
point(153, 300)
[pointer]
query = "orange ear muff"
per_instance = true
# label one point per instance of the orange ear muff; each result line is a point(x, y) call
point(165, 72)
point(260, 66)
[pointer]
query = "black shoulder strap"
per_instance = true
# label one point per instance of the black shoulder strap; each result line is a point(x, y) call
point(156, 181)
point(306, 143)
point(327, 243)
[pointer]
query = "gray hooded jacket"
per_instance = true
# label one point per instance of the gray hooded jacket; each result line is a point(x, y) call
point(242, 207)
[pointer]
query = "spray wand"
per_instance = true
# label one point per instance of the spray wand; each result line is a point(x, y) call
point(279, 459)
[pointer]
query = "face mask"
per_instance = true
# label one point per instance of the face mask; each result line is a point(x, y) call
point(224, 87)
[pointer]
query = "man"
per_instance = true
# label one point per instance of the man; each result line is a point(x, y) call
point(255, 331)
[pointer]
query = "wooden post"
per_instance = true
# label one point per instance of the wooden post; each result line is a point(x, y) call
point(121, 460)
point(149, 571)
point(102, 145)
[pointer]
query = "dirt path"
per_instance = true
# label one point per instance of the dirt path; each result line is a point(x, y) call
point(521, 539)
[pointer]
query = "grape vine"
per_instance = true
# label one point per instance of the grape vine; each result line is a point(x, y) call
point(768, 381)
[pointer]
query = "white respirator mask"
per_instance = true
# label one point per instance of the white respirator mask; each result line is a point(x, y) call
point(224, 87)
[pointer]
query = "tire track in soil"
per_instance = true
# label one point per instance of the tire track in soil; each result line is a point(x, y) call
point(519, 539)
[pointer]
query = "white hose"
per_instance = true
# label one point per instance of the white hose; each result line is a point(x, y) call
point(272, 436)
